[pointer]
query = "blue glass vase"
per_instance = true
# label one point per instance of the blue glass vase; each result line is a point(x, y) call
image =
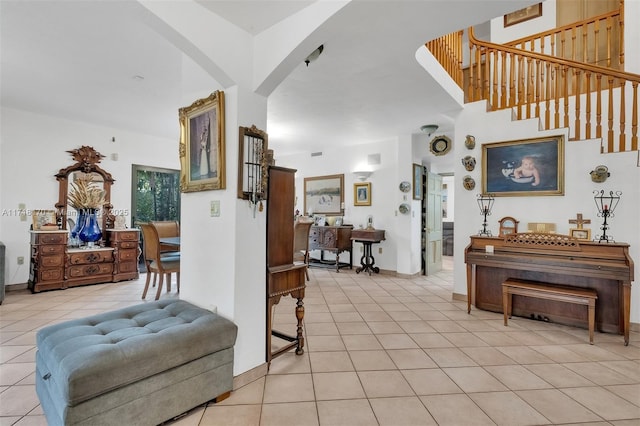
point(80, 220)
point(90, 232)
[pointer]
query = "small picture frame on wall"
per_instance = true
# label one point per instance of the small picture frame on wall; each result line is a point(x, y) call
point(417, 181)
point(580, 233)
point(522, 15)
point(362, 194)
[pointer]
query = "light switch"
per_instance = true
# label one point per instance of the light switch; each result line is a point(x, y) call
point(215, 208)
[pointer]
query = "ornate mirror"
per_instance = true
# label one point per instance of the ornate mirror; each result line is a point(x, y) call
point(85, 168)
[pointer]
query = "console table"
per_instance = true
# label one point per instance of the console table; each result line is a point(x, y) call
point(334, 239)
point(367, 237)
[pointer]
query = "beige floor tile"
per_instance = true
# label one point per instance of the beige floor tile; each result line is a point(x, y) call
point(10, 352)
point(349, 412)
point(447, 327)
point(455, 410)
point(384, 327)
point(293, 413)
point(12, 373)
point(450, 357)
point(474, 379)
point(595, 352)
point(321, 329)
point(420, 326)
point(431, 340)
point(371, 360)
point(252, 393)
point(487, 356)
point(347, 328)
point(516, 377)
point(341, 385)
point(401, 411)
point(231, 415)
point(361, 342)
point(629, 392)
point(324, 343)
point(407, 359)
point(559, 354)
point(290, 363)
point(630, 369)
point(288, 388)
point(372, 316)
point(604, 403)
point(524, 355)
point(557, 407)
point(18, 400)
point(386, 383)
point(507, 408)
point(431, 381)
point(396, 341)
point(10, 420)
point(599, 374)
point(322, 362)
point(558, 375)
point(39, 420)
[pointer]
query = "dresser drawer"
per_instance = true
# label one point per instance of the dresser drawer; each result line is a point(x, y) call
point(49, 238)
point(52, 261)
point(128, 255)
point(83, 271)
point(52, 249)
point(128, 245)
point(127, 267)
point(85, 257)
point(50, 274)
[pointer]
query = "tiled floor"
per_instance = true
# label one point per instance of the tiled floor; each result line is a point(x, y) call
point(379, 350)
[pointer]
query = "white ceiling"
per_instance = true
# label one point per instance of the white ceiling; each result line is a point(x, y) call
point(80, 59)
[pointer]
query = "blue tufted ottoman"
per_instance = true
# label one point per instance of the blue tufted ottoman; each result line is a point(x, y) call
point(139, 365)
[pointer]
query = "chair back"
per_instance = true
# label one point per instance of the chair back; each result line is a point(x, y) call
point(150, 242)
point(167, 228)
point(301, 228)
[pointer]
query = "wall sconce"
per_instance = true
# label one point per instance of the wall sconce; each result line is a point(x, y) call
point(606, 205)
point(363, 174)
point(314, 55)
point(485, 203)
point(429, 128)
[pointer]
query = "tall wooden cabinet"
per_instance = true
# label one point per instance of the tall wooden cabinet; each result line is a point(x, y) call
point(48, 254)
point(283, 276)
point(126, 251)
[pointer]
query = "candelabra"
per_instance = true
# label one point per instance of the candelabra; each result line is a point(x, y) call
point(485, 202)
point(606, 204)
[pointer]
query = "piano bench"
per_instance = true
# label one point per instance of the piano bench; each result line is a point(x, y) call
point(580, 296)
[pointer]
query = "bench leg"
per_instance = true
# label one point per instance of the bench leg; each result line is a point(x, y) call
point(592, 319)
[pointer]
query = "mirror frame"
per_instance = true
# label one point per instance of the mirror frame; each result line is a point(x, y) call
point(87, 160)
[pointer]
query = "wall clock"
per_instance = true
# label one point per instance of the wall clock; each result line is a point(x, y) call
point(440, 145)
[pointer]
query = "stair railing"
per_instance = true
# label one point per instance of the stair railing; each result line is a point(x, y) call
point(448, 51)
point(538, 85)
point(583, 41)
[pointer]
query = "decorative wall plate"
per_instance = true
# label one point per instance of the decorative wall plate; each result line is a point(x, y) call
point(404, 208)
point(405, 186)
point(468, 183)
point(470, 141)
point(440, 145)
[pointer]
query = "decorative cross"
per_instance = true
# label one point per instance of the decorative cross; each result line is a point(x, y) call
point(579, 221)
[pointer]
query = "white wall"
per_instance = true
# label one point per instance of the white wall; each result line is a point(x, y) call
point(34, 149)
point(580, 158)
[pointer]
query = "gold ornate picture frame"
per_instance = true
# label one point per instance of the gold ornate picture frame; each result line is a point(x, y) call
point(529, 167)
point(362, 194)
point(324, 195)
point(202, 144)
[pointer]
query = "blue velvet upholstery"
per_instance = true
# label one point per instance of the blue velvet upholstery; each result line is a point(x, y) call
point(163, 344)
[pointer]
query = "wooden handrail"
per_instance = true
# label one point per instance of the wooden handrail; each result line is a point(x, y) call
point(543, 86)
point(595, 31)
point(448, 51)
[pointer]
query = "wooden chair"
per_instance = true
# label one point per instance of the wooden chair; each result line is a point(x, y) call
point(166, 229)
point(157, 263)
point(301, 228)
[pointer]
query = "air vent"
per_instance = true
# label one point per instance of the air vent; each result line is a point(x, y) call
point(316, 154)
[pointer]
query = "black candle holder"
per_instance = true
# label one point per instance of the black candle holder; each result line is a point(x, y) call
point(606, 204)
point(485, 203)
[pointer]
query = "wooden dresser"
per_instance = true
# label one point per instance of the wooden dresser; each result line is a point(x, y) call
point(334, 239)
point(54, 265)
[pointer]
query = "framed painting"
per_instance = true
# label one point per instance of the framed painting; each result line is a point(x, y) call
point(524, 168)
point(362, 194)
point(580, 233)
point(44, 220)
point(522, 15)
point(324, 195)
point(417, 181)
point(202, 144)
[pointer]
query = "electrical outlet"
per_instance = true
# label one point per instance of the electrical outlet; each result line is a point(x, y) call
point(20, 260)
point(379, 250)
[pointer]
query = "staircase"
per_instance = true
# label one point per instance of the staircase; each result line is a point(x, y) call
point(561, 77)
